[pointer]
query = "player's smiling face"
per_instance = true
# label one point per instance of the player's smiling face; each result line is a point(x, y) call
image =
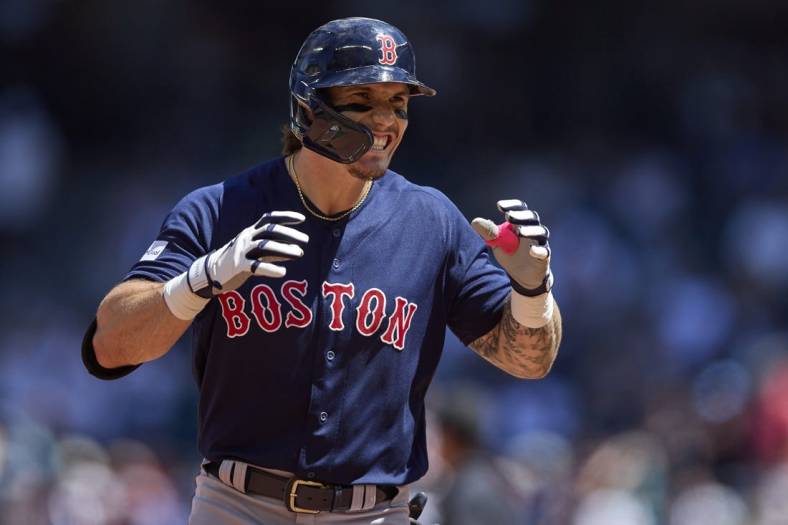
point(383, 109)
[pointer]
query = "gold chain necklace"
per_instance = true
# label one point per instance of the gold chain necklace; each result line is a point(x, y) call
point(359, 202)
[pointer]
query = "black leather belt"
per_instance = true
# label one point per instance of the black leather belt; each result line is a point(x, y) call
point(300, 495)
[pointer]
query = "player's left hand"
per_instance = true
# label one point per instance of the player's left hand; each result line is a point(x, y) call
point(529, 265)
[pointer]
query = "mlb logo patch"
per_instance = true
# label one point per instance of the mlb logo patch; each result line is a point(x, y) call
point(154, 251)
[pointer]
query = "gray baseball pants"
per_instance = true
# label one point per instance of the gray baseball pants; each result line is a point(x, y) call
point(216, 503)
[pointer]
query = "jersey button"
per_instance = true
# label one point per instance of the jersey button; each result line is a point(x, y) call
point(330, 355)
point(336, 232)
point(323, 417)
point(335, 264)
point(310, 475)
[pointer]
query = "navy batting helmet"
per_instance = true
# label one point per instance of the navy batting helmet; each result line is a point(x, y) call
point(346, 52)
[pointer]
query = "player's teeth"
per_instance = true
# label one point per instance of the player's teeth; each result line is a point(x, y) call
point(379, 143)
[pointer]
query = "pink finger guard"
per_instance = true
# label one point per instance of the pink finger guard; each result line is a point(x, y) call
point(507, 240)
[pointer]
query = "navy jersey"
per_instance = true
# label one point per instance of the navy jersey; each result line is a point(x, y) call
point(324, 372)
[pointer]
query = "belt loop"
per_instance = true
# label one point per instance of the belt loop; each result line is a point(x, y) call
point(370, 493)
point(363, 497)
point(357, 502)
point(239, 476)
point(225, 471)
point(339, 490)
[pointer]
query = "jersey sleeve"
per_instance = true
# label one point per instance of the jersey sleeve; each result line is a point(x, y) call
point(477, 288)
point(185, 236)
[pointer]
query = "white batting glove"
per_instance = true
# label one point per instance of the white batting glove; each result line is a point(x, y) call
point(528, 266)
point(251, 252)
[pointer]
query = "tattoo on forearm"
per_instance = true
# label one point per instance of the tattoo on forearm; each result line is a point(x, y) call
point(521, 351)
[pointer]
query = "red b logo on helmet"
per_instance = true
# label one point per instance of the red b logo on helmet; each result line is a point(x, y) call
point(388, 49)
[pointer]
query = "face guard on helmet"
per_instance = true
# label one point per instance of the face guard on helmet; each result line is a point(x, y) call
point(347, 52)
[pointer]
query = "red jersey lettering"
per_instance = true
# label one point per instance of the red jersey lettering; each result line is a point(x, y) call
point(304, 316)
point(399, 323)
point(268, 315)
point(233, 312)
point(367, 326)
point(337, 291)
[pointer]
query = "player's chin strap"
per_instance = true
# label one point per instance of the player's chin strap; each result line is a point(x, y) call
point(329, 133)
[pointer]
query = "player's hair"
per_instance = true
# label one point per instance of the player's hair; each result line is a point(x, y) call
point(290, 143)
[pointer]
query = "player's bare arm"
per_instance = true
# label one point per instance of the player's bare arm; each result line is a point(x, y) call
point(134, 325)
point(140, 321)
point(524, 352)
point(525, 342)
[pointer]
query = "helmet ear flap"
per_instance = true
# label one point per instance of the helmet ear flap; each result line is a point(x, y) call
point(335, 136)
point(300, 117)
point(326, 131)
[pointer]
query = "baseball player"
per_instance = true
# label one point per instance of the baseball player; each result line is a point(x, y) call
point(318, 287)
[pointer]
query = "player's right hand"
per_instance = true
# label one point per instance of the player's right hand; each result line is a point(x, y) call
point(251, 252)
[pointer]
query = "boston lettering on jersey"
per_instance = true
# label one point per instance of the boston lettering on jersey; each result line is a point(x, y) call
point(267, 310)
point(261, 352)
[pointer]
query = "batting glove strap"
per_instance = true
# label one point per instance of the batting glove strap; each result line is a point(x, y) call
point(199, 279)
point(181, 300)
point(533, 312)
point(544, 288)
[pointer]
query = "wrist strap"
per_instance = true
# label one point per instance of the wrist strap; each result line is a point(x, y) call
point(532, 312)
point(546, 286)
point(182, 302)
point(198, 279)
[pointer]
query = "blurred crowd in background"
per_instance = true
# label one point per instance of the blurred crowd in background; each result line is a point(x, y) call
point(652, 140)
